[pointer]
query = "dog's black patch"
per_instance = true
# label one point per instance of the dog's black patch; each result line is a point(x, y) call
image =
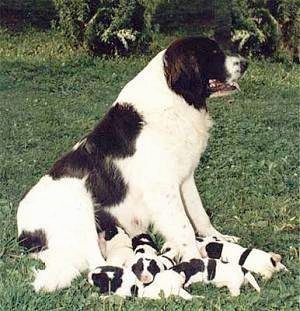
point(110, 233)
point(113, 138)
point(34, 241)
point(273, 262)
point(244, 256)
point(134, 290)
point(138, 267)
point(167, 249)
point(104, 220)
point(140, 250)
point(214, 250)
point(153, 268)
point(244, 270)
point(211, 269)
point(102, 281)
point(106, 184)
point(116, 134)
point(189, 63)
point(138, 240)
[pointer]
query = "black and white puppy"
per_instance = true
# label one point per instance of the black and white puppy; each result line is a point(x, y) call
point(135, 168)
point(116, 247)
point(144, 244)
point(216, 272)
point(123, 282)
point(252, 259)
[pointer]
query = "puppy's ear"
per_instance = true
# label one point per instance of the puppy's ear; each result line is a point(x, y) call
point(275, 257)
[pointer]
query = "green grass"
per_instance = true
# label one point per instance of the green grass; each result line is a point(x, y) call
point(50, 96)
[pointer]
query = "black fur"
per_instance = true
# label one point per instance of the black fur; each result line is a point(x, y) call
point(138, 267)
point(244, 256)
point(35, 241)
point(211, 269)
point(199, 239)
point(214, 250)
point(104, 220)
point(110, 233)
point(113, 138)
point(153, 268)
point(244, 270)
point(141, 250)
point(169, 259)
point(189, 64)
point(189, 268)
point(106, 284)
point(137, 241)
point(134, 290)
point(273, 262)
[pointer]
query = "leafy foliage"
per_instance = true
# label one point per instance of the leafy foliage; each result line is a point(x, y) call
point(266, 27)
point(104, 27)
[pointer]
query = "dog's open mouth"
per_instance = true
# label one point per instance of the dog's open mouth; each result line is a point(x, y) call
point(217, 88)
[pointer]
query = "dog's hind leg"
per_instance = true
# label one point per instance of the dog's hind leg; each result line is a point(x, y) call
point(197, 214)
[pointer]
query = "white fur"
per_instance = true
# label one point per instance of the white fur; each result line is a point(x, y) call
point(118, 250)
point(233, 67)
point(166, 283)
point(63, 209)
point(227, 274)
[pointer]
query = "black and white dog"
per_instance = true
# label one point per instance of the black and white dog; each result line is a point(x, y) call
point(134, 169)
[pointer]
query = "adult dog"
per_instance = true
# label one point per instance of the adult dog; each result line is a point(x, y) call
point(135, 168)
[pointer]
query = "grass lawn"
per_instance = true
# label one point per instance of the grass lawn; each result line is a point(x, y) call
point(248, 177)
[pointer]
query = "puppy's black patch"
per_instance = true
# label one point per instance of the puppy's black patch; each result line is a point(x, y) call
point(110, 233)
point(134, 290)
point(244, 256)
point(105, 283)
point(211, 269)
point(138, 240)
point(140, 250)
point(199, 239)
point(214, 250)
point(138, 267)
point(189, 268)
point(153, 268)
point(35, 241)
point(273, 262)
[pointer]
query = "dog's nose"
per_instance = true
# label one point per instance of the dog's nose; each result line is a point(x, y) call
point(243, 64)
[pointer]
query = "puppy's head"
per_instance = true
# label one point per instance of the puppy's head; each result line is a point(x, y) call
point(144, 244)
point(196, 68)
point(275, 260)
point(106, 278)
point(146, 268)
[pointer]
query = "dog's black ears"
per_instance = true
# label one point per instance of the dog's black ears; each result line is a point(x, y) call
point(101, 280)
point(185, 76)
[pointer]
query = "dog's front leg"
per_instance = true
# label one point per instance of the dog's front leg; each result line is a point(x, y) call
point(196, 212)
point(169, 218)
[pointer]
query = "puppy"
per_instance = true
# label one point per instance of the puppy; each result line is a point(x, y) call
point(116, 247)
point(109, 279)
point(123, 282)
point(216, 272)
point(254, 260)
point(144, 244)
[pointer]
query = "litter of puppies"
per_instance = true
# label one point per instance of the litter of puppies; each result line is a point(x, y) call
point(136, 268)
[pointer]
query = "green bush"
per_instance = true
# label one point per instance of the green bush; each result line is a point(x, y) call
point(266, 27)
point(105, 26)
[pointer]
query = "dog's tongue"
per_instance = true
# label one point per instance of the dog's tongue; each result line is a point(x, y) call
point(218, 88)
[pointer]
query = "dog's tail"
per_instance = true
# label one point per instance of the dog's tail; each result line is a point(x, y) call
point(250, 278)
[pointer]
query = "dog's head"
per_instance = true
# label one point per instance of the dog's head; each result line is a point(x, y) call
point(144, 244)
point(196, 68)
